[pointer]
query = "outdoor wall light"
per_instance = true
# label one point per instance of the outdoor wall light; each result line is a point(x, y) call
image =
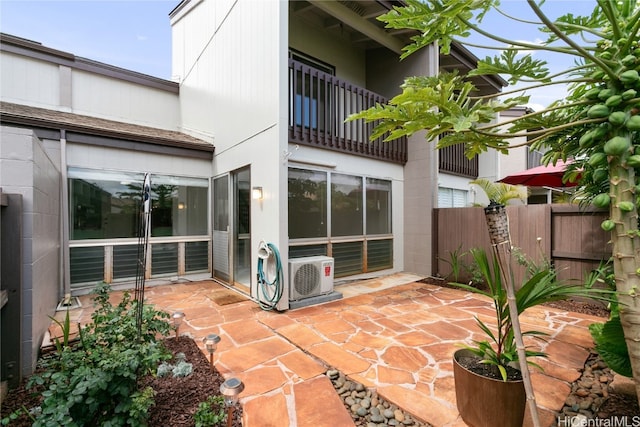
point(177, 320)
point(230, 389)
point(257, 193)
point(211, 343)
point(180, 205)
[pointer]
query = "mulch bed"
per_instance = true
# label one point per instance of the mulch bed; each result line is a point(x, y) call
point(176, 399)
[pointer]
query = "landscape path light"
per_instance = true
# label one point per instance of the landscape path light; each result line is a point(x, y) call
point(230, 389)
point(177, 320)
point(211, 343)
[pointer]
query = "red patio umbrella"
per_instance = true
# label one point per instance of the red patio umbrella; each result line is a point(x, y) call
point(541, 176)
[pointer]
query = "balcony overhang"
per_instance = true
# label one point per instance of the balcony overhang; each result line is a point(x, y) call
point(357, 20)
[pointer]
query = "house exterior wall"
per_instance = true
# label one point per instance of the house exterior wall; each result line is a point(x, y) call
point(26, 168)
point(229, 69)
point(123, 101)
point(244, 106)
point(420, 177)
point(108, 158)
point(29, 81)
point(327, 161)
point(46, 84)
point(329, 47)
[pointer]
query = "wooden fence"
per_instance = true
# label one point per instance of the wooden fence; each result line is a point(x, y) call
point(567, 236)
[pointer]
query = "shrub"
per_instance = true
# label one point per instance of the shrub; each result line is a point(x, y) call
point(211, 412)
point(95, 383)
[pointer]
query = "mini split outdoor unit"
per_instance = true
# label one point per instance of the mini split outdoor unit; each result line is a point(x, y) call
point(310, 276)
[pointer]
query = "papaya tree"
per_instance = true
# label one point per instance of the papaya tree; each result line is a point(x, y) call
point(597, 124)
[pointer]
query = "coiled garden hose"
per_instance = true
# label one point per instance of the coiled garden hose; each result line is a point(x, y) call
point(271, 290)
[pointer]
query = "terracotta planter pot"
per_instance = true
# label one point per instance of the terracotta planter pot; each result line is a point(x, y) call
point(486, 401)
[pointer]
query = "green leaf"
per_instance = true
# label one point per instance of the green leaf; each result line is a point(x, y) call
point(611, 345)
point(513, 65)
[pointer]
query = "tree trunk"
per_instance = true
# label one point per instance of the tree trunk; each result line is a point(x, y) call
point(626, 258)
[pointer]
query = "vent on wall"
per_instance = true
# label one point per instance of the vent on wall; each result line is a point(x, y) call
point(310, 276)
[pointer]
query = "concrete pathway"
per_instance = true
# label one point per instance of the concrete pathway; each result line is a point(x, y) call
point(393, 334)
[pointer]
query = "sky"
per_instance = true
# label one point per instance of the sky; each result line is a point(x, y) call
point(136, 35)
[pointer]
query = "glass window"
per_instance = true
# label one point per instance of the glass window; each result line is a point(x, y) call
point(103, 204)
point(178, 206)
point(87, 264)
point(348, 258)
point(379, 254)
point(106, 204)
point(164, 258)
point(451, 198)
point(378, 206)
point(196, 256)
point(125, 261)
point(307, 204)
point(346, 205)
point(350, 208)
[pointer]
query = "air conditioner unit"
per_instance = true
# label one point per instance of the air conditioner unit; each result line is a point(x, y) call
point(310, 276)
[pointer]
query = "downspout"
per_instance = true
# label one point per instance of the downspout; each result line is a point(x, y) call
point(64, 222)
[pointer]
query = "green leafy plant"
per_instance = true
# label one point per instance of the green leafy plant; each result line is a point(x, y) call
point(499, 349)
point(210, 413)
point(455, 261)
point(96, 382)
point(500, 192)
point(15, 415)
point(65, 327)
point(609, 336)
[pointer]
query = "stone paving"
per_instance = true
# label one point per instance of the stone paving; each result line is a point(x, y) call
point(394, 334)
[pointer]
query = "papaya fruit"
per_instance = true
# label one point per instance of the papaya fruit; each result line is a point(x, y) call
point(629, 78)
point(629, 94)
point(633, 123)
point(625, 206)
point(617, 118)
point(616, 146)
point(586, 139)
point(592, 93)
point(600, 175)
point(602, 200)
point(597, 159)
point(613, 101)
point(634, 161)
point(598, 111)
point(606, 93)
point(607, 225)
point(628, 61)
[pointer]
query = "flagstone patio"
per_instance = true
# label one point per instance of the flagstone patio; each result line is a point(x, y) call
point(394, 334)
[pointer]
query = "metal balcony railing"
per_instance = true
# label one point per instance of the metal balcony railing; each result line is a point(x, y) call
point(319, 103)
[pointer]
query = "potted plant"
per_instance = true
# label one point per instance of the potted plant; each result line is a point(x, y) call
point(488, 381)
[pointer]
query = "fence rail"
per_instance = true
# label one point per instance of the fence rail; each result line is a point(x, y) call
point(567, 236)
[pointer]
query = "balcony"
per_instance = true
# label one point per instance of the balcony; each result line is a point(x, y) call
point(452, 160)
point(319, 103)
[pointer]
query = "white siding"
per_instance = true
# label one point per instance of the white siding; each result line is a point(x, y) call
point(42, 84)
point(28, 81)
point(123, 101)
point(95, 157)
point(230, 69)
